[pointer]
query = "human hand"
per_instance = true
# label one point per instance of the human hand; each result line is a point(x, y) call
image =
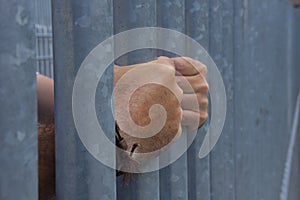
point(191, 77)
point(167, 94)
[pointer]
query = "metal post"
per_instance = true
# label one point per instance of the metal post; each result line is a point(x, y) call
point(18, 116)
point(78, 27)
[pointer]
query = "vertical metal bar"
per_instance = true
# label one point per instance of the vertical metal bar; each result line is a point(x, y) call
point(261, 122)
point(78, 27)
point(173, 179)
point(221, 49)
point(128, 15)
point(18, 117)
point(197, 27)
point(290, 179)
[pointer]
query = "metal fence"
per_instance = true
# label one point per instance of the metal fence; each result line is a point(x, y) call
point(44, 49)
point(255, 45)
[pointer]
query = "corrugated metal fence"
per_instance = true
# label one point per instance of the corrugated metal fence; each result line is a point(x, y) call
point(256, 46)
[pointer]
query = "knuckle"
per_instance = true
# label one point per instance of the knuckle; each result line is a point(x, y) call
point(203, 67)
point(180, 94)
point(179, 112)
point(203, 117)
point(204, 102)
point(205, 87)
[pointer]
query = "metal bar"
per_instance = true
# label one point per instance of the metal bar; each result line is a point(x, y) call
point(221, 44)
point(173, 178)
point(261, 124)
point(18, 124)
point(197, 27)
point(128, 15)
point(78, 27)
point(290, 180)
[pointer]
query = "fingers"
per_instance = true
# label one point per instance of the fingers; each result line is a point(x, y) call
point(188, 67)
point(191, 78)
point(192, 120)
point(192, 84)
point(195, 102)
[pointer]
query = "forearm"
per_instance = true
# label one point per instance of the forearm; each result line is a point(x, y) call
point(45, 94)
point(45, 98)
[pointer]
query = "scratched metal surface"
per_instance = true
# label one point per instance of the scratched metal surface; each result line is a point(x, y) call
point(198, 26)
point(173, 178)
point(128, 15)
point(18, 119)
point(221, 49)
point(77, 30)
point(262, 97)
point(257, 51)
point(290, 181)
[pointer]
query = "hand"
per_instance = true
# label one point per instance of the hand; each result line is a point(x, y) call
point(141, 101)
point(193, 72)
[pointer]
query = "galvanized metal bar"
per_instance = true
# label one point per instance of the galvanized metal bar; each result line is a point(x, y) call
point(128, 15)
point(78, 27)
point(197, 27)
point(173, 178)
point(261, 124)
point(221, 48)
point(290, 179)
point(18, 117)
point(43, 12)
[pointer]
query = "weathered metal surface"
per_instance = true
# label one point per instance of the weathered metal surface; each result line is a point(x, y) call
point(197, 26)
point(173, 178)
point(128, 15)
point(221, 49)
point(77, 30)
point(261, 97)
point(290, 179)
point(255, 45)
point(18, 117)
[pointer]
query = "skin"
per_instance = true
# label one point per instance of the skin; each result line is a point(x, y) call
point(141, 101)
point(182, 112)
point(179, 111)
point(46, 145)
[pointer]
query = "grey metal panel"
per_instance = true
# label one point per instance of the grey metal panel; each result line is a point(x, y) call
point(221, 49)
point(134, 14)
point(18, 118)
point(43, 12)
point(128, 15)
point(290, 180)
point(77, 30)
point(261, 99)
point(259, 66)
point(197, 27)
point(173, 179)
point(293, 62)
